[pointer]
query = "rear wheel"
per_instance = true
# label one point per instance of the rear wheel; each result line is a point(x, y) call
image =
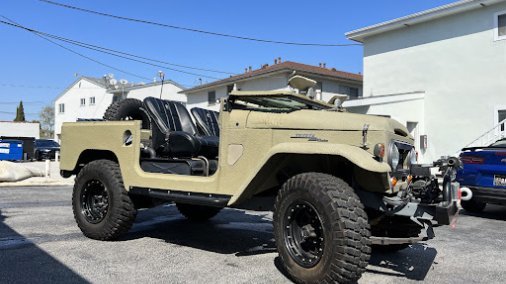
point(473, 205)
point(197, 213)
point(321, 230)
point(128, 109)
point(102, 208)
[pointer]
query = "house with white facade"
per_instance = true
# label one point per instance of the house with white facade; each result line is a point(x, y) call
point(331, 82)
point(88, 97)
point(442, 72)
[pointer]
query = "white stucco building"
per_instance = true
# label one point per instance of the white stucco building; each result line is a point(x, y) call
point(19, 129)
point(442, 72)
point(89, 97)
point(330, 82)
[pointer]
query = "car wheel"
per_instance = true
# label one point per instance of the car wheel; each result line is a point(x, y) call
point(473, 206)
point(197, 213)
point(128, 109)
point(321, 230)
point(102, 208)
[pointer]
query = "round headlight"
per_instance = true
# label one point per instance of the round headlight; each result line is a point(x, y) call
point(411, 159)
point(393, 156)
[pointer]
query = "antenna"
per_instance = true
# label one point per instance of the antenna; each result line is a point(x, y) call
point(162, 77)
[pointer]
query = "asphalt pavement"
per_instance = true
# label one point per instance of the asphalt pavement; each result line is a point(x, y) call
point(40, 242)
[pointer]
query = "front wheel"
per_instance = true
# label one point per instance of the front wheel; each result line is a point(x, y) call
point(321, 230)
point(102, 208)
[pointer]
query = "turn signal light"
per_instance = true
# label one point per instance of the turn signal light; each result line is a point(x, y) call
point(394, 181)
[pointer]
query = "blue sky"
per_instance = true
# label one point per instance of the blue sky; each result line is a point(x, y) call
point(36, 71)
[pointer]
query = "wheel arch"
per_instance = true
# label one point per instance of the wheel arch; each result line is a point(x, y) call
point(87, 156)
point(283, 165)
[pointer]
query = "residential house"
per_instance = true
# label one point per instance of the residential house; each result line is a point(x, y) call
point(270, 77)
point(442, 72)
point(88, 97)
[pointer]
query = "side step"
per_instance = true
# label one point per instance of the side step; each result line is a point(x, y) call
point(214, 200)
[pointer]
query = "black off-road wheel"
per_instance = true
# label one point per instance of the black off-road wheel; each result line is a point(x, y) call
point(128, 109)
point(102, 208)
point(473, 206)
point(197, 213)
point(321, 230)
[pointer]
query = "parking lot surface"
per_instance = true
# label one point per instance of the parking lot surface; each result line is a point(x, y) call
point(40, 242)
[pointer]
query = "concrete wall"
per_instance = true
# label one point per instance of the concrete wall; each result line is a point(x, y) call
point(458, 65)
point(74, 110)
point(20, 129)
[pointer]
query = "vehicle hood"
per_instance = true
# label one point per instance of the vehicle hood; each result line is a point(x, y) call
point(324, 120)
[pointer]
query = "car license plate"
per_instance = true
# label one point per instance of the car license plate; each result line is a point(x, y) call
point(500, 180)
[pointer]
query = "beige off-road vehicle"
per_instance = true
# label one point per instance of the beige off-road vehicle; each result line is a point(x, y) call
point(337, 182)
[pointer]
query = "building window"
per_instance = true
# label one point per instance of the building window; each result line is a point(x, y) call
point(83, 101)
point(351, 92)
point(211, 97)
point(500, 26)
point(230, 88)
point(61, 108)
point(92, 101)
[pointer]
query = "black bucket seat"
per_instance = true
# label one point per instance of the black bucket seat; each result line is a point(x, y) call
point(207, 121)
point(174, 133)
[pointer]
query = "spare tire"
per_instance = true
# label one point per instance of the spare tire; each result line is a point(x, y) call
point(128, 109)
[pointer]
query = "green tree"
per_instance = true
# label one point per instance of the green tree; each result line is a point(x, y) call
point(20, 112)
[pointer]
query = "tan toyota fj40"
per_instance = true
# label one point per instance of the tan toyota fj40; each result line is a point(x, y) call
point(337, 182)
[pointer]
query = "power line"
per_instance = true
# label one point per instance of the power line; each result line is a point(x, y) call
point(24, 103)
point(9, 85)
point(195, 30)
point(77, 53)
point(108, 51)
point(11, 112)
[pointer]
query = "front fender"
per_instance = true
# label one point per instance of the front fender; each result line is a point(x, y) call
point(356, 155)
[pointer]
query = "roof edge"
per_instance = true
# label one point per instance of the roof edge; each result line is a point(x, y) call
point(74, 83)
point(359, 35)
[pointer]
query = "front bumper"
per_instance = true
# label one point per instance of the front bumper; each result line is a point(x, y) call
point(439, 214)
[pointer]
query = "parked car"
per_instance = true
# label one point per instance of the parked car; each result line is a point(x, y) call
point(46, 149)
point(484, 173)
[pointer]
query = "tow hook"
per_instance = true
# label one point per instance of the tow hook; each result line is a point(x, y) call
point(466, 194)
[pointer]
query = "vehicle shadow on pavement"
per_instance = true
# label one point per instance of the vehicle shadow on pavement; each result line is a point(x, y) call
point(412, 263)
point(493, 212)
point(230, 232)
point(21, 261)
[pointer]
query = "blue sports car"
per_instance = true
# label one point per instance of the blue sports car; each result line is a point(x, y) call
point(484, 173)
